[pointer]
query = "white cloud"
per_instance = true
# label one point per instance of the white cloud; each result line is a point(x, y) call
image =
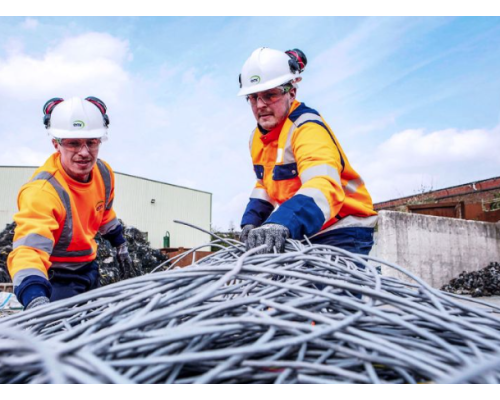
point(92, 46)
point(412, 160)
point(89, 63)
point(30, 24)
point(13, 46)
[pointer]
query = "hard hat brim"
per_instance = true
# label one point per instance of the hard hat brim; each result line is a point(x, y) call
point(268, 85)
point(65, 134)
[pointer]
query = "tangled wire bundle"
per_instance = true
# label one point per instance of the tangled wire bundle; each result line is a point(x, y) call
point(310, 315)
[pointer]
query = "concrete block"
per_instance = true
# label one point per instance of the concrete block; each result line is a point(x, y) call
point(435, 249)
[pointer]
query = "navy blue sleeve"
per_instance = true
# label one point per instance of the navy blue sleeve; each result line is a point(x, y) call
point(300, 215)
point(115, 236)
point(32, 287)
point(257, 212)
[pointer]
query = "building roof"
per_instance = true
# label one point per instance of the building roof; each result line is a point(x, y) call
point(120, 173)
point(466, 188)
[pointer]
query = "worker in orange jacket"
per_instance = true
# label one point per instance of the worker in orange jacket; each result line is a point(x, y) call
point(67, 201)
point(305, 185)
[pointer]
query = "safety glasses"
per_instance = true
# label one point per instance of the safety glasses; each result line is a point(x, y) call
point(268, 97)
point(75, 145)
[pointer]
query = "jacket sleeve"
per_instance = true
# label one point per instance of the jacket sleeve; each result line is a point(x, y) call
point(259, 207)
point(38, 221)
point(111, 229)
point(321, 195)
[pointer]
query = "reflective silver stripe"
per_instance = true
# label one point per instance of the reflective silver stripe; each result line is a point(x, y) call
point(306, 118)
point(36, 241)
point(320, 170)
point(260, 194)
point(351, 222)
point(289, 157)
point(250, 143)
point(109, 226)
point(20, 276)
point(106, 177)
point(353, 185)
point(60, 248)
point(319, 198)
point(70, 265)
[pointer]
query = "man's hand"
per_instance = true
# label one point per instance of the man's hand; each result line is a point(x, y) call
point(272, 235)
point(127, 269)
point(245, 231)
point(37, 302)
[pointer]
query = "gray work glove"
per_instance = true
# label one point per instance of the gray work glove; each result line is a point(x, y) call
point(245, 231)
point(127, 269)
point(37, 302)
point(272, 235)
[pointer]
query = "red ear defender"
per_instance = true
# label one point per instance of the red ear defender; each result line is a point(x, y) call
point(48, 108)
point(300, 60)
point(101, 106)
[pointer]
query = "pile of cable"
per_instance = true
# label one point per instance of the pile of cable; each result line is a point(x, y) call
point(314, 314)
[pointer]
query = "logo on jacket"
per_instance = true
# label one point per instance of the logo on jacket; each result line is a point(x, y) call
point(255, 79)
point(99, 206)
point(78, 124)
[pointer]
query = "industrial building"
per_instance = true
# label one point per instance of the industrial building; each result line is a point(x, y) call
point(150, 206)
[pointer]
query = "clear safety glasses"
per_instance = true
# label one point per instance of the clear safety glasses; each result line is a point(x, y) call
point(75, 145)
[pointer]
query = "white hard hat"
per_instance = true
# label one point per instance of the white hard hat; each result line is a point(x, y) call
point(266, 69)
point(76, 118)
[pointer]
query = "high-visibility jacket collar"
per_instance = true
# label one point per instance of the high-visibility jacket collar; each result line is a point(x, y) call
point(274, 134)
point(72, 182)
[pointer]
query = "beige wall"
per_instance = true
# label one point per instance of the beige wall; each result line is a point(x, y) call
point(11, 180)
point(133, 205)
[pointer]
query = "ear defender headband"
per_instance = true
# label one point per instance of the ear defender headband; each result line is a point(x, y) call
point(48, 108)
point(101, 106)
point(50, 105)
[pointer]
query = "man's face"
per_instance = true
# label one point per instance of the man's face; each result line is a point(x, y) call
point(271, 107)
point(78, 156)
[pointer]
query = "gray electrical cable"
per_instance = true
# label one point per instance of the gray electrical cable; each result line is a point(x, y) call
point(314, 314)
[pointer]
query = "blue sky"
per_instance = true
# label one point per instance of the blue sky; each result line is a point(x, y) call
point(414, 102)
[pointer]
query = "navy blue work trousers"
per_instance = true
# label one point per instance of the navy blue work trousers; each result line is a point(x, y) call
point(68, 283)
point(355, 240)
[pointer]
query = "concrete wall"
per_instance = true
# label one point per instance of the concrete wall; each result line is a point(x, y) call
point(436, 249)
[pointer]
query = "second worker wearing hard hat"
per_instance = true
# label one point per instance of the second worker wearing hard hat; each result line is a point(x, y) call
point(305, 183)
point(67, 201)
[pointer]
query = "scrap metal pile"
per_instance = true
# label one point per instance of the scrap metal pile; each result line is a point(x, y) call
point(6, 237)
point(485, 282)
point(144, 257)
point(309, 315)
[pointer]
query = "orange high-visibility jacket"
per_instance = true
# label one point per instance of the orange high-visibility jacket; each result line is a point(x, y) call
point(58, 219)
point(301, 168)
